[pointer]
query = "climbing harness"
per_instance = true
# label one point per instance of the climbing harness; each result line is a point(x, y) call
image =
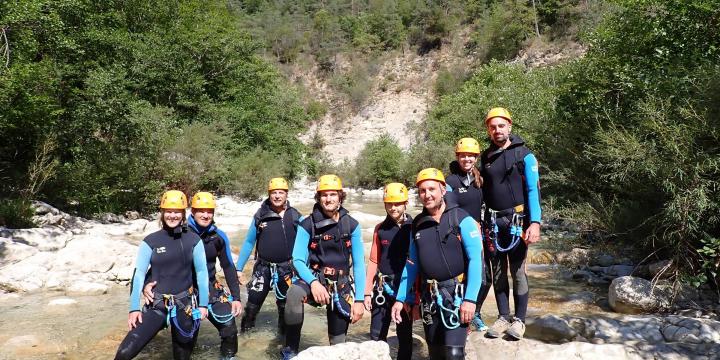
point(516, 227)
point(274, 278)
point(225, 297)
point(335, 303)
point(450, 316)
point(382, 287)
point(171, 302)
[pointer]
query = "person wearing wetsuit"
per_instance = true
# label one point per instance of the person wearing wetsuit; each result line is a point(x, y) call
point(388, 254)
point(512, 220)
point(224, 304)
point(446, 248)
point(466, 182)
point(173, 252)
point(328, 243)
point(272, 233)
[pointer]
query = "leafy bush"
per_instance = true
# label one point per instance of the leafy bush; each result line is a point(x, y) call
point(379, 162)
point(16, 213)
point(424, 155)
point(502, 31)
point(250, 172)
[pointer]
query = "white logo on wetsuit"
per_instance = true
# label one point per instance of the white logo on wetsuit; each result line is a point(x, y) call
point(161, 250)
point(417, 236)
point(263, 225)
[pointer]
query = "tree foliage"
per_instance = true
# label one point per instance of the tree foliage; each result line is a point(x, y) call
point(138, 95)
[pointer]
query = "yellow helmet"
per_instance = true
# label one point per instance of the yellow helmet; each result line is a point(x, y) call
point(173, 199)
point(430, 174)
point(203, 200)
point(329, 182)
point(498, 112)
point(278, 184)
point(467, 145)
point(395, 193)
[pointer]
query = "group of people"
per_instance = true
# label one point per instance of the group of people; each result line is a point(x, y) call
point(475, 226)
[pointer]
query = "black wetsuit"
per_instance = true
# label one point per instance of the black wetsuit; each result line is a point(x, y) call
point(510, 179)
point(389, 251)
point(470, 199)
point(324, 251)
point(173, 254)
point(273, 237)
point(217, 247)
point(450, 253)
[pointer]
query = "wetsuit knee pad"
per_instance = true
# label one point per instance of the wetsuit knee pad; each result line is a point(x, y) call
point(294, 305)
point(454, 352)
point(228, 329)
point(436, 352)
point(337, 339)
point(520, 281)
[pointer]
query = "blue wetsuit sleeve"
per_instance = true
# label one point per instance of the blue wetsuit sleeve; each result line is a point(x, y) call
point(248, 246)
point(138, 281)
point(358, 259)
point(448, 188)
point(300, 255)
point(408, 275)
point(201, 273)
point(472, 242)
point(228, 267)
point(532, 180)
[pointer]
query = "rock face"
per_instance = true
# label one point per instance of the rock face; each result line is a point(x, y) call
point(80, 257)
point(631, 295)
point(369, 350)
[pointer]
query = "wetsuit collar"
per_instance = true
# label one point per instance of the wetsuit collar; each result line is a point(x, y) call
point(175, 232)
point(389, 222)
point(319, 216)
point(515, 141)
point(267, 206)
point(199, 229)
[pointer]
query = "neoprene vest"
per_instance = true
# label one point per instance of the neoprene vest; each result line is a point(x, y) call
point(275, 234)
point(172, 259)
point(503, 175)
point(394, 243)
point(439, 247)
point(330, 241)
point(469, 197)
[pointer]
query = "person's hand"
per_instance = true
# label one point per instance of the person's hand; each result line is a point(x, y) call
point(319, 293)
point(467, 312)
point(134, 319)
point(236, 308)
point(532, 234)
point(241, 277)
point(396, 311)
point(148, 295)
point(368, 302)
point(358, 309)
point(203, 313)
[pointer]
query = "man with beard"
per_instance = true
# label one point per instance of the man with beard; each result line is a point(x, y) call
point(511, 191)
point(327, 244)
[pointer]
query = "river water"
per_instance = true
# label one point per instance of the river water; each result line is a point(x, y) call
point(93, 327)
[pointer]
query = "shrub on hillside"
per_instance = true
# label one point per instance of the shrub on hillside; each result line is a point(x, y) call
point(379, 162)
point(249, 173)
point(503, 29)
point(425, 155)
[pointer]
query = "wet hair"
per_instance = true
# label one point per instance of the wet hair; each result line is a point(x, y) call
point(341, 193)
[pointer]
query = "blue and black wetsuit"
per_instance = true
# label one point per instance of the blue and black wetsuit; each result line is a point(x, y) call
point(217, 247)
point(173, 254)
point(324, 251)
point(272, 236)
point(447, 253)
point(389, 251)
point(470, 199)
point(511, 190)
